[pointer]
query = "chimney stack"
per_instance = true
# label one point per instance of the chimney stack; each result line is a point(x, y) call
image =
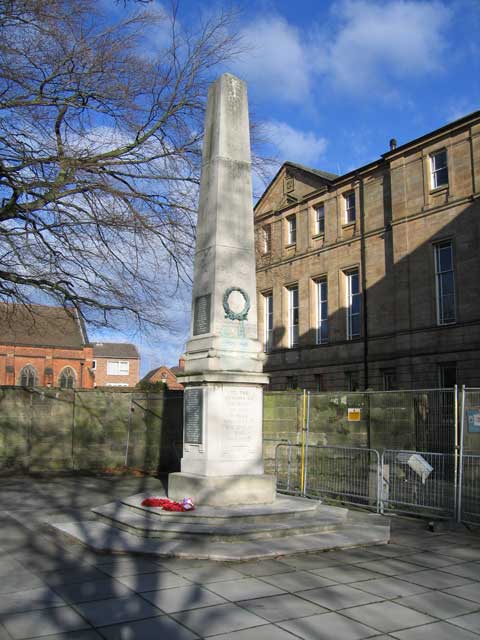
point(393, 144)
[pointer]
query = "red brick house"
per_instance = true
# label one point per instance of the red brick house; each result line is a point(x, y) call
point(116, 364)
point(167, 375)
point(44, 346)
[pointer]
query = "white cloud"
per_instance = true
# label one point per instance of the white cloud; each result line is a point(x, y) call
point(377, 42)
point(295, 145)
point(274, 60)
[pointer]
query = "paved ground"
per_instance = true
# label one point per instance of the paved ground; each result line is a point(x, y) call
point(422, 586)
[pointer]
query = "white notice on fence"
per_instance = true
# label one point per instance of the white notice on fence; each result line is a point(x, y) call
point(421, 467)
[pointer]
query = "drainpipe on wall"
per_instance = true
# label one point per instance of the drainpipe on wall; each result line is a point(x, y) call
point(81, 374)
point(364, 285)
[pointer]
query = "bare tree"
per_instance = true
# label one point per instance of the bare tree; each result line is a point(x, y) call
point(99, 153)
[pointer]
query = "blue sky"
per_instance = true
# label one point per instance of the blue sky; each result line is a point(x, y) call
point(333, 81)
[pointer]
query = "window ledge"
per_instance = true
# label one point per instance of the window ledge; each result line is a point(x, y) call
point(441, 189)
point(291, 246)
point(318, 236)
point(348, 225)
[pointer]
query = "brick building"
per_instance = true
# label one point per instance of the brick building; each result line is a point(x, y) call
point(166, 375)
point(43, 346)
point(371, 279)
point(116, 364)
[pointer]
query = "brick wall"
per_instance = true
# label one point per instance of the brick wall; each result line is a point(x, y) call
point(103, 379)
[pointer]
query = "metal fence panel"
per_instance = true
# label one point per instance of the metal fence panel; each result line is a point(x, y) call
point(347, 474)
point(418, 482)
point(470, 490)
point(288, 468)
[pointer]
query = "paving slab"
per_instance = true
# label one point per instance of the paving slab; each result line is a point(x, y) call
point(469, 570)
point(263, 568)
point(222, 618)
point(390, 566)
point(244, 589)
point(436, 631)
point(391, 550)
point(438, 604)
point(346, 573)
point(183, 598)
point(471, 622)
point(35, 624)
point(75, 575)
point(390, 588)
point(116, 610)
point(84, 634)
point(387, 616)
point(284, 607)
point(30, 600)
point(469, 591)
point(160, 628)
point(20, 580)
point(338, 597)
point(298, 581)
point(94, 590)
point(153, 581)
point(328, 626)
point(119, 567)
point(211, 573)
point(430, 559)
point(311, 561)
point(435, 579)
point(269, 632)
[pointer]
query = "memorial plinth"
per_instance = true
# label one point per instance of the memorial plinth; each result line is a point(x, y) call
point(222, 460)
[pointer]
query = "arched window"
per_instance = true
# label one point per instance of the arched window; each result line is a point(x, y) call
point(67, 378)
point(28, 376)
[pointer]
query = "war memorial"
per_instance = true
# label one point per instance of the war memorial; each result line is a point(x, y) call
point(237, 514)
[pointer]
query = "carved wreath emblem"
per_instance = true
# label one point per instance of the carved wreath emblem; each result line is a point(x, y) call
point(229, 313)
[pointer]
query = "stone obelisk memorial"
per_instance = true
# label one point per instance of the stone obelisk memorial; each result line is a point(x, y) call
point(222, 460)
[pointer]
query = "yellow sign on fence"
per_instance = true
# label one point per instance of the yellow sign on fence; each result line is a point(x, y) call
point(354, 415)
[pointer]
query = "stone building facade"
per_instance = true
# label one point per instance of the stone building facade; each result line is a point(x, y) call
point(371, 279)
point(44, 346)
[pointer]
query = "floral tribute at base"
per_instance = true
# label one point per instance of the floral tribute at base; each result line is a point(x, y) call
point(169, 505)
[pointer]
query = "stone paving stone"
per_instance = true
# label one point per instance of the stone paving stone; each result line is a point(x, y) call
point(116, 610)
point(263, 568)
point(7, 567)
point(438, 604)
point(469, 591)
point(391, 550)
point(153, 581)
point(390, 587)
point(161, 628)
point(339, 596)
point(22, 580)
point(129, 566)
point(95, 590)
point(284, 607)
point(35, 624)
point(222, 618)
point(269, 632)
point(351, 556)
point(435, 579)
point(432, 560)
point(311, 561)
point(30, 600)
point(85, 634)
point(73, 576)
point(390, 566)
point(298, 581)
point(346, 573)
point(3, 633)
point(328, 626)
point(244, 589)
point(62, 562)
point(183, 598)
point(468, 554)
point(177, 564)
point(210, 573)
point(469, 570)
point(436, 631)
point(387, 616)
point(471, 622)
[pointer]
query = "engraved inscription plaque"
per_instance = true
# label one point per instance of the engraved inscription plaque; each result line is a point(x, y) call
point(240, 420)
point(193, 416)
point(201, 315)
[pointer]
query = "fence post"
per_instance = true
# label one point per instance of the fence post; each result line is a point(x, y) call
point(306, 445)
point(130, 411)
point(382, 483)
point(73, 429)
point(302, 463)
point(460, 462)
point(455, 466)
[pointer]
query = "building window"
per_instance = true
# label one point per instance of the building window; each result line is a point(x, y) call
point(29, 376)
point(319, 220)
point(322, 311)
point(292, 230)
point(447, 375)
point(389, 380)
point(67, 378)
point(266, 239)
point(439, 169)
point(351, 381)
point(350, 211)
point(445, 283)
point(293, 316)
point(118, 368)
point(94, 365)
point(292, 382)
point(267, 322)
point(319, 382)
point(353, 304)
